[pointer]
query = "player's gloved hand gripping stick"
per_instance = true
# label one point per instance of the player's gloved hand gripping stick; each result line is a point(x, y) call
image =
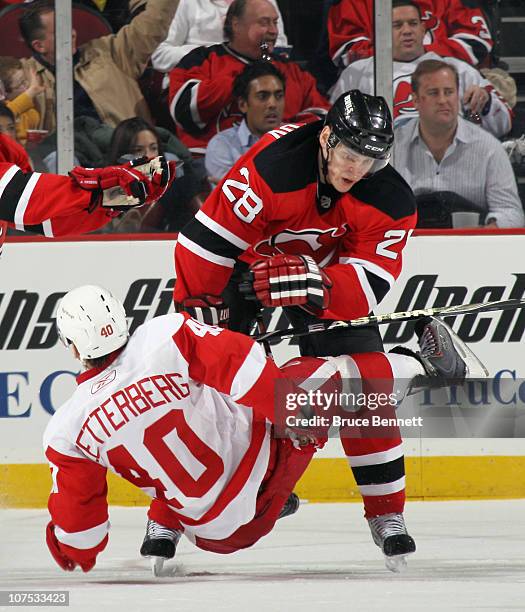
point(138, 182)
point(288, 280)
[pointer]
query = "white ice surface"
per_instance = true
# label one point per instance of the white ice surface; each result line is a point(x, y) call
point(471, 556)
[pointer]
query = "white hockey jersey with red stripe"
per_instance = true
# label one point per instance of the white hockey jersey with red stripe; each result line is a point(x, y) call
point(181, 412)
point(360, 75)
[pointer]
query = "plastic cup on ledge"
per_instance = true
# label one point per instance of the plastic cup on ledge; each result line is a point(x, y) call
point(35, 137)
point(463, 220)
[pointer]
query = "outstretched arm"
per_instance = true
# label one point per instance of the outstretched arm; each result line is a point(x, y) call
point(79, 525)
point(55, 205)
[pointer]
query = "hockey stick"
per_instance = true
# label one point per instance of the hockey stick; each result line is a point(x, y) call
point(381, 319)
point(261, 328)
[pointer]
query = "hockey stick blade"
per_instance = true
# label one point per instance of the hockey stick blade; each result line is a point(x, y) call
point(391, 317)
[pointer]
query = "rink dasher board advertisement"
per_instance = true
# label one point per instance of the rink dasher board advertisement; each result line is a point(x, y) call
point(37, 373)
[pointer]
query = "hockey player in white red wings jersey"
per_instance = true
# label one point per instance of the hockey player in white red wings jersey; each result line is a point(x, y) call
point(184, 411)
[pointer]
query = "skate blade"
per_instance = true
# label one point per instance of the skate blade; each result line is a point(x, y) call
point(157, 565)
point(397, 563)
point(475, 368)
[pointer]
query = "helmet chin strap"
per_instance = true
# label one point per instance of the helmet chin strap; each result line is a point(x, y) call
point(327, 195)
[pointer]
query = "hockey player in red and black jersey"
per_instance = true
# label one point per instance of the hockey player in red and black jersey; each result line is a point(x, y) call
point(87, 199)
point(185, 411)
point(320, 219)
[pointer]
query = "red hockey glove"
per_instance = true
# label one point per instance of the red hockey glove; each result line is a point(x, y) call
point(209, 309)
point(310, 387)
point(60, 557)
point(288, 280)
point(123, 187)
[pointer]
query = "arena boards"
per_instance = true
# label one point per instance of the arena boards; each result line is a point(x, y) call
point(36, 374)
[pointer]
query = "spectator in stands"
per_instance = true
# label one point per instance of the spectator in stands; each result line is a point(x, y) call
point(479, 99)
point(134, 138)
point(116, 12)
point(259, 90)
point(442, 152)
point(106, 69)
point(198, 23)
point(20, 92)
point(201, 99)
point(7, 122)
point(451, 29)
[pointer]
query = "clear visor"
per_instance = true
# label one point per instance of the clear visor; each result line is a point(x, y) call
point(363, 163)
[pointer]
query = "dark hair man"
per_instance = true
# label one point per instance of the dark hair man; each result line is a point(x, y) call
point(259, 90)
point(201, 85)
point(105, 69)
point(452, 29)
point(478, 95)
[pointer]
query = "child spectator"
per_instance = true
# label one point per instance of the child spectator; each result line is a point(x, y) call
point(20, 93)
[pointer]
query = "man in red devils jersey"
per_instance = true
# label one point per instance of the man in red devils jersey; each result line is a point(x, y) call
point(84, 201)
point(321, 219)
point(452, 29)
point(201, 96)
point(185, 411)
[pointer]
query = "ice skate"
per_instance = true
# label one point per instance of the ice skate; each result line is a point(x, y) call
point(390, 534)
point(444, 355)
point(290, 507)
point(159, 545)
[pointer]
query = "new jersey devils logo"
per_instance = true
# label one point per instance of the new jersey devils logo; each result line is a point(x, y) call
point(403, 104)
point(321, 245)
point(431, 23)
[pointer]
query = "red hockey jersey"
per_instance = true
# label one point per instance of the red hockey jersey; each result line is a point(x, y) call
point(267, 205)
point(12, 152)
point(181, 412)
point(48, 204)
point(201, 100)
point(452, 30)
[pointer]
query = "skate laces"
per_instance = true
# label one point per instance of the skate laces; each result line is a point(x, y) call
point(156, 531)
point(385, 526)
point(428, 342)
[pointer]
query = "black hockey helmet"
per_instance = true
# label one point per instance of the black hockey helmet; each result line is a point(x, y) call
point(362, 123)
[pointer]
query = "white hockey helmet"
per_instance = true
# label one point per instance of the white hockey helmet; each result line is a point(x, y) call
point(93, 320)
